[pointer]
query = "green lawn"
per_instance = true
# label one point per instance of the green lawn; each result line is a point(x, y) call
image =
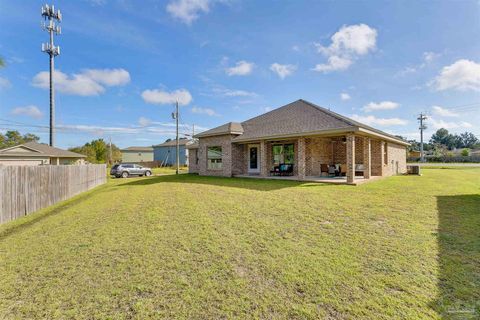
point(190, 247)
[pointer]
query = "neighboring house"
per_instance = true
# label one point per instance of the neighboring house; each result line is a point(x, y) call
point(137, 154)
point(34, 153)
point(166, 152)
point(303, 135)
point(414, 154)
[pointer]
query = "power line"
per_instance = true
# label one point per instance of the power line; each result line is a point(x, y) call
point(421, 118)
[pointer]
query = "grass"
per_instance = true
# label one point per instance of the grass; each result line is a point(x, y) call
point(190, 247)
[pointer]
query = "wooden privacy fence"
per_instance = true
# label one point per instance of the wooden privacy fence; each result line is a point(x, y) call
point(26, 189)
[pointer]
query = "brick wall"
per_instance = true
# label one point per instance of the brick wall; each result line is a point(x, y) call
point(224, 141)
point(397, 159)
point(239, 159)
point(377, 158)
point(192, 161)
point(339, 151)
point(318, 151)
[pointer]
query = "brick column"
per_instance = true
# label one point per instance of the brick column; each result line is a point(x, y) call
point(263, 159)
point(301, 158)
point(367, 160)
point(382, 158)
point(350, 158)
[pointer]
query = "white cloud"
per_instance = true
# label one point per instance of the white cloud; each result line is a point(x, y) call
point(233, 92)
point(283, 70)
point(443, 112)
point(4, 83)
point(372, 120)
point(157, 96)
point(462, 75)
point(429, 56)
point(207, 111)
point(296, 48)
point(108, 77)
point(335, 63)
point(144, 122)
point(437, 124)
point(29, 111)
point(384, 105)
point(90, 82)
point(345, 96)
point(241, 68)
point(188, 10)
point(347, 44)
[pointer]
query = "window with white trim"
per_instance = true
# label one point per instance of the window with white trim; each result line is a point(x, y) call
point(214, 158)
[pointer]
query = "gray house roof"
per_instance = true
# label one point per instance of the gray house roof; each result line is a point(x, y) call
point(227, 128)
point(138, 149)
point(173, 143)
point(295, 119)
point(39, 149)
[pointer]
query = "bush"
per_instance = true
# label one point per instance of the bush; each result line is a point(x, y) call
point(465, 152)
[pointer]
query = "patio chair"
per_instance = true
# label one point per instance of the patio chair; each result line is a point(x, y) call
point(359, 169)
point(332, 170)
point(286, 169)
point(323, 169)
point(343, 170)
point(275, 171)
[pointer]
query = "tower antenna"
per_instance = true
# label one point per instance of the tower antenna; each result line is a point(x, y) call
point(53, 17)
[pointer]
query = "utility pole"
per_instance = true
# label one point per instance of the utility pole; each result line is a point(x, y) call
point(421, 118)
point(193, 130)
point(110, 152)
point(48, 12)
point(175, 116)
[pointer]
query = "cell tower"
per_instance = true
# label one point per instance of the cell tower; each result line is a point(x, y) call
point(53, 17)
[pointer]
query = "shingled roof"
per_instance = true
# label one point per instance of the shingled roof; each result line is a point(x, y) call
point(173, 142)
point(40, 149)
point(138, 149)
point(227, 128)
point(294, 119)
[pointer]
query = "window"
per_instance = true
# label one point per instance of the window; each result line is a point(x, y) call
point(214, 158)
point(283, 153)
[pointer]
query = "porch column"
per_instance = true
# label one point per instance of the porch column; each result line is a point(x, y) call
point(382, 158)
point(350, 158)
point(301, 159)
point(367, 160)
point(263, 159)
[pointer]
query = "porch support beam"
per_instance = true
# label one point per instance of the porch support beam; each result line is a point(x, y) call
point(367, 160)
point(301, 159)
point(350, 158)
point(263, 159)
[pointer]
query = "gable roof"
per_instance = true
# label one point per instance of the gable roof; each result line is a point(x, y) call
point(227, 128)
point(142, 149)
point(39, 149)
point(173, 143)
point(298, 118)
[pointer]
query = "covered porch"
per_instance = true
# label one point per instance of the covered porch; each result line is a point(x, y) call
point(345, 159)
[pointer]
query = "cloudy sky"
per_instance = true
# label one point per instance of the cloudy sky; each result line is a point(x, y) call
point(123, 64)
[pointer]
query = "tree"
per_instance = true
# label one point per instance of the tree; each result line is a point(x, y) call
point(2, 62)
point(97, 151)
point(467, 140)
point(465, 152)
point(13, 138)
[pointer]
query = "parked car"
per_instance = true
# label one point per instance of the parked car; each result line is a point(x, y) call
point(124, 170)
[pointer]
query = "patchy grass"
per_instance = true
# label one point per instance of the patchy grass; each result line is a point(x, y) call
point(192, 247)
point(168, 170)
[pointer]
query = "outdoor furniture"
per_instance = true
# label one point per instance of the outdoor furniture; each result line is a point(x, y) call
point(359, 169)
point(343, 169)
point(323, 169)
point(275, 171)
point(332, 170)
point(286, 169)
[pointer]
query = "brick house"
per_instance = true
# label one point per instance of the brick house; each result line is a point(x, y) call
point(318, 144)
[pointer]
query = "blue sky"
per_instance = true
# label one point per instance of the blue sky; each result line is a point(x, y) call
point(124, 63)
